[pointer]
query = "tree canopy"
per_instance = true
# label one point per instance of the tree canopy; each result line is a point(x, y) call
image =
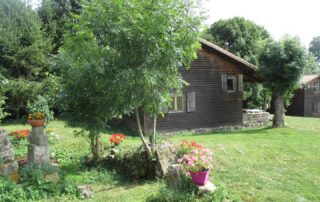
point(282, 65)
point(124, 55)
point(23, 47)
point(240, 36)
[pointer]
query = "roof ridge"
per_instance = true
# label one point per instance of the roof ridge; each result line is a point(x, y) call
point(229, 54)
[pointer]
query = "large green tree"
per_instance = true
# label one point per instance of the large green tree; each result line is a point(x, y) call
point(23, 47)
point(55, 16)
point(124, 56)
point(282, 65)
point(245, 39)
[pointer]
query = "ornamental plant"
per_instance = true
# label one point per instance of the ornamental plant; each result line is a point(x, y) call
point(117, 139)
point(20, 134)
point(39, 109)
point(194, 157)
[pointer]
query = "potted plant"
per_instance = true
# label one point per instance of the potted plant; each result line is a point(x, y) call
point(197, 160)
point(39, 112)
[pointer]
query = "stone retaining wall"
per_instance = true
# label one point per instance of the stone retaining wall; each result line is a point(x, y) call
point(255, 120)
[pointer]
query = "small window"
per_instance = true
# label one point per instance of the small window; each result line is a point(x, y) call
point(177, 103)
point(229, 83)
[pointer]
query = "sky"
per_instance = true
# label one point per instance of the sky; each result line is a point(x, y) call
point(294, 17)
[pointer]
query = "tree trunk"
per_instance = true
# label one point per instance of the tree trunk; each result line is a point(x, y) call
point(279, 112)
point(145, 144)
point(265, 104)
point(96, 145)
point(154, 131)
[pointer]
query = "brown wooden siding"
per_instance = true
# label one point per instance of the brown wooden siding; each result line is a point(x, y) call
point(296, 108)
point(214, 107)
point(303, 101)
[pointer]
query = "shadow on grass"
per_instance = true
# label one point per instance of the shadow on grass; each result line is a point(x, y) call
point(99, 175)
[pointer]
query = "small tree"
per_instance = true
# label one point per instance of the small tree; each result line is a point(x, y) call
point(124, 56)
point(282, 64)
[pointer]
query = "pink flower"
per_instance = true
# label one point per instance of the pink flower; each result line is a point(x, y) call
point(190, 163)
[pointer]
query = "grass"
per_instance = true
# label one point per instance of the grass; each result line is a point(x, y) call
point(255, 165)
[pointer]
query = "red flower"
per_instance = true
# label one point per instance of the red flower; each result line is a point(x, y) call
point(116, 138)
point(20, 134)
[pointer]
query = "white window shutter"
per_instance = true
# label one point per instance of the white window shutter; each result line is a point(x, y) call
point(224, 82)
point(191, 101)
point(240, 82)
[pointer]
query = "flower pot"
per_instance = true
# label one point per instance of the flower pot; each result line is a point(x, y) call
point(36, 123)
point(200, 177)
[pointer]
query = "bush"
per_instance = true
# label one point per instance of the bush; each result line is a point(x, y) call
point(10, 191)
point(33, 178)
point(131, 162)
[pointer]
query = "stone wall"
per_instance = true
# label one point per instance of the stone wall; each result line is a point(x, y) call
point(257, 119)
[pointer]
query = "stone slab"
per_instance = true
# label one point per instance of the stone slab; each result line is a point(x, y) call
point(6, 148)
point(174, 176)
point(9, 168)
point(38, 153)
point(208, 187)
point(166, 155)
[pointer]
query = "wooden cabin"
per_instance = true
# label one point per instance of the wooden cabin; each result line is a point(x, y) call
point(306, 100)
point(213, 97)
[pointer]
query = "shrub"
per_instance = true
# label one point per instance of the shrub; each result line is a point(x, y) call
point(36, 184)
point(10, 191)
point(131, 162)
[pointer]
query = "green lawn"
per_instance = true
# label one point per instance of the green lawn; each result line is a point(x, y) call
point(255, 165)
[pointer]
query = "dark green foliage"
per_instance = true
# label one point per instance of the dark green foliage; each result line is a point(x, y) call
point(55, 15)
point(242, 37)
point(23, 48)
point(282, 64)
point(21, 91)
point(34, 186)
point(314, 48)
point(10, 191)
point(33, 179)
point(131, 162)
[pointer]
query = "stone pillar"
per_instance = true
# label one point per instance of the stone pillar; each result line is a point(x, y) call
point(38, 149)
